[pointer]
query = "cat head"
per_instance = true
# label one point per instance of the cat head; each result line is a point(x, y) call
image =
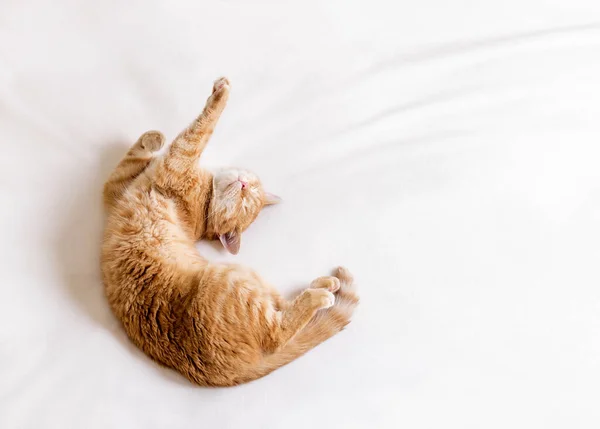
point(237, 199)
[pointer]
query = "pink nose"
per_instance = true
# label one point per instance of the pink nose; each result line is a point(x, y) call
point(244, 184)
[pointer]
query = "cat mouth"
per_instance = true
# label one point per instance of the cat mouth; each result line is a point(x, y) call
point(238, 184)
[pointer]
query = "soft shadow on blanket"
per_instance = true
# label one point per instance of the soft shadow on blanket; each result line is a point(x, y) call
point(78, 248)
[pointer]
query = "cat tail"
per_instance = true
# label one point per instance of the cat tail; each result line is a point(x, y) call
point(324, 325)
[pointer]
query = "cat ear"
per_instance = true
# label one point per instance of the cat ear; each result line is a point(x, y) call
point(231, 242)
point(271, 199)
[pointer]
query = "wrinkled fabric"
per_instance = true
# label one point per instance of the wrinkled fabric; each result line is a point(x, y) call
point(447, 153)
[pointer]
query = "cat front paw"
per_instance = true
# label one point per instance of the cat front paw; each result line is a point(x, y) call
point(151, 141)
point(221, 83)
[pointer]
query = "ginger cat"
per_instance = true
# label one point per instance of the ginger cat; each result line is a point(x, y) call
point(217, 324)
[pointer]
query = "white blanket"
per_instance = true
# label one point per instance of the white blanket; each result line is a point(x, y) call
point(447, 152)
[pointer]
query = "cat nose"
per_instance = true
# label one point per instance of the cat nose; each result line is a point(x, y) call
point(243, 183)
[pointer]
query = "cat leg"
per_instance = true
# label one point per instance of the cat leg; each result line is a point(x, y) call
point(299, 312)
point(177, 175)
point(330, 283)
point(135, 161)
point(320, 295)
point(189, 144)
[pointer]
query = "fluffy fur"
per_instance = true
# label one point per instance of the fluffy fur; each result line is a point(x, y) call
point(217, 324)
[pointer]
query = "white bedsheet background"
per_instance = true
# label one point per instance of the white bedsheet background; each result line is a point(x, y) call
point(446, 152)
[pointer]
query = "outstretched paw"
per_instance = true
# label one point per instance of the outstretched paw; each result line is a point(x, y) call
point(220, 94)
point(220, 84)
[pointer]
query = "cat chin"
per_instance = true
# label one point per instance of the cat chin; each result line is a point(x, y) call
point(226, 176)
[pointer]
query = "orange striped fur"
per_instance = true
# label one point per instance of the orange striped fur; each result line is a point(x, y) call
point(217, 324)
